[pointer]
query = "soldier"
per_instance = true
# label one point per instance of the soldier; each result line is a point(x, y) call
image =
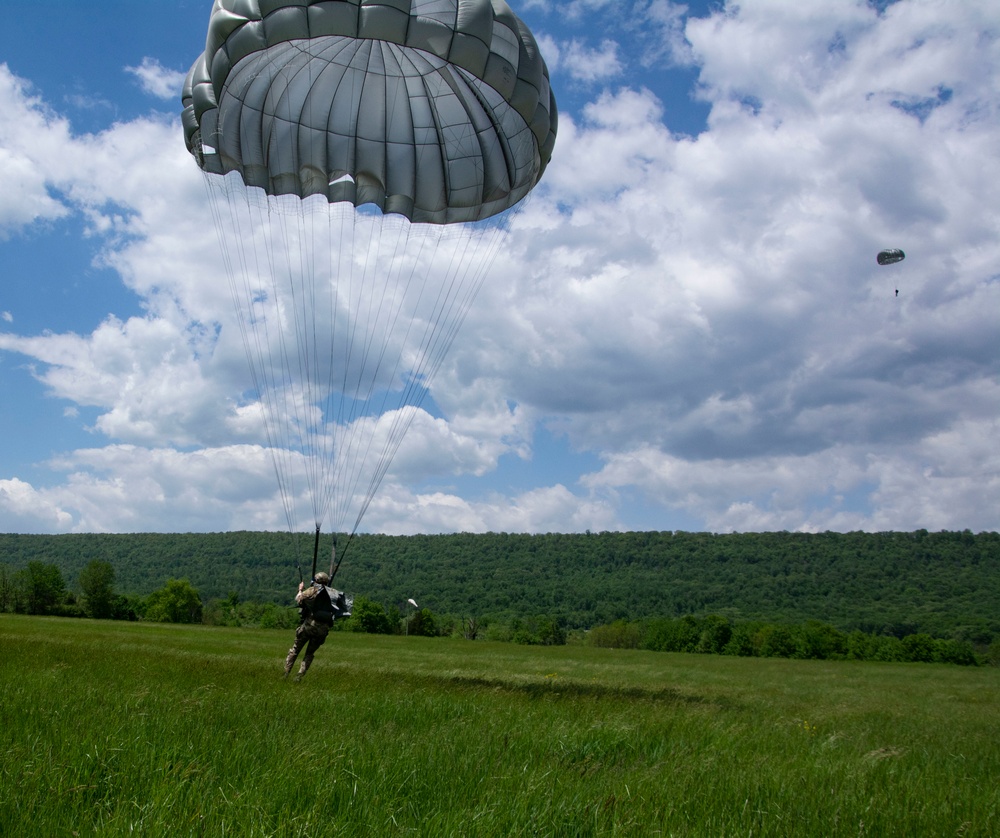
point(319, 606)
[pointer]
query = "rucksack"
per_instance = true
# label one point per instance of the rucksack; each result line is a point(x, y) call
point(328, 604)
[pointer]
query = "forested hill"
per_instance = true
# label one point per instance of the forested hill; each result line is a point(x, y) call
point(877, 582)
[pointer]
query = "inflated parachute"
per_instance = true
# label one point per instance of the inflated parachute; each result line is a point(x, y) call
point(890, 256)
point(363, 159)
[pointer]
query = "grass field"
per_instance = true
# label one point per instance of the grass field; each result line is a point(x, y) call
point(114, 729)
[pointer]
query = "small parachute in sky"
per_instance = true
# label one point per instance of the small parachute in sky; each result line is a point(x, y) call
point(890, 256)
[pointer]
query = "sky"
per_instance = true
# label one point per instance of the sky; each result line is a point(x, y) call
point(687, 330)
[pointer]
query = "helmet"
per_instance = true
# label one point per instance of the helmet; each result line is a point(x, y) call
point(322, 579)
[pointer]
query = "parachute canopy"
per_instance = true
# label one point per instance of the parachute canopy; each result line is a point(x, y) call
point(362, 160)
point(438, 110)
point(890, 256)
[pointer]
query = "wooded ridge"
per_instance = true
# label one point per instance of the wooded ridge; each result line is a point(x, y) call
point(944, 583)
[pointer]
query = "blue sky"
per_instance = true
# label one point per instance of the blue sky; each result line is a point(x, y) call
point(688, 330)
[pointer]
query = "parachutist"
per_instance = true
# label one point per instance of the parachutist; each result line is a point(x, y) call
point(897, 292)
point(319, 606)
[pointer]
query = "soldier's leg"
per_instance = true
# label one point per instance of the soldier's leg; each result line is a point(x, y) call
point(293, 653)
point(315, 641)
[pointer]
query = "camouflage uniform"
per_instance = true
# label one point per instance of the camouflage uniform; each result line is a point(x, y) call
point(317, 618)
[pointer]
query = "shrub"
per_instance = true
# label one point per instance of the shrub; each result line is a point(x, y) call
point(620, 634)
point(175, 602)
point(368, 617)
point(716, 633)
point(919, 648)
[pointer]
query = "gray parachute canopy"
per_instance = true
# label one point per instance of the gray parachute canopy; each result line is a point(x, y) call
point(438, 110)
point(890, 256)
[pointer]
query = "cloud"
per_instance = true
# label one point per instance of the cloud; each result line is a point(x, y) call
point(124, 488)
point(718, 296)
point(703, 314)
point(947, 480)
point(588, 64)
point(397, 511)
point(23, 509)
point(157, 80)
point(29, 133)
point(665, 21)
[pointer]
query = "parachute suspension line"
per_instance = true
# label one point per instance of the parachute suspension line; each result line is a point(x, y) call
point(282, 399)
point(319, 247)
point(299, 365)
point(365, 236)
point(282, 340)
point(285, 235)
point(241, 271)
point(334, 563)
point(270, 344)
point(473, 258)
point(324, 310)
point(392, 277)
point(277, 395)
point(315, 554)
point(341, 275)
point(286, 219)
point(371, 328)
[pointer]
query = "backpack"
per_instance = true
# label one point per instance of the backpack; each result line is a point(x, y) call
point(317, 608)
point(325, 606)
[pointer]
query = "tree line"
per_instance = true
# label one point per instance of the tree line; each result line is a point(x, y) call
point(40, 589)
point(944, 585)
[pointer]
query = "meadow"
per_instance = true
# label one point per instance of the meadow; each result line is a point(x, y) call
point(110, 728)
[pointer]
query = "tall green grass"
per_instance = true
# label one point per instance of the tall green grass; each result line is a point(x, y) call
point(113, 729)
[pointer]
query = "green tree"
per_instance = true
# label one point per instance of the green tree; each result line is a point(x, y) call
point(97, 581)
point(820, 641)
point(9, 589)
point(369, 617)
point(44, 587)
point(621, 634)
point(175, 602)
point(775, 642)
point(423, 624)
point(741, 642)
point(716, 632)
point(919, 647)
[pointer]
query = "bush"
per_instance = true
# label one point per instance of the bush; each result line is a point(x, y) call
point(368, 617)
point(819, 641)
point(919, 648)
point(620, 634)
point(775, 642)
point(538, 631)
point(671, 635)
point(741, 642)
point(716, 632)
point(955, 651)
point(422, 624)
point(175, 602)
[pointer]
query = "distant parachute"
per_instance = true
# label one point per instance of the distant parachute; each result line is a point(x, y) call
point(890, 256)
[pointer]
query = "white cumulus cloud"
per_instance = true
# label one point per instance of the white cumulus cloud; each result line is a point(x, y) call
point(157, 80)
